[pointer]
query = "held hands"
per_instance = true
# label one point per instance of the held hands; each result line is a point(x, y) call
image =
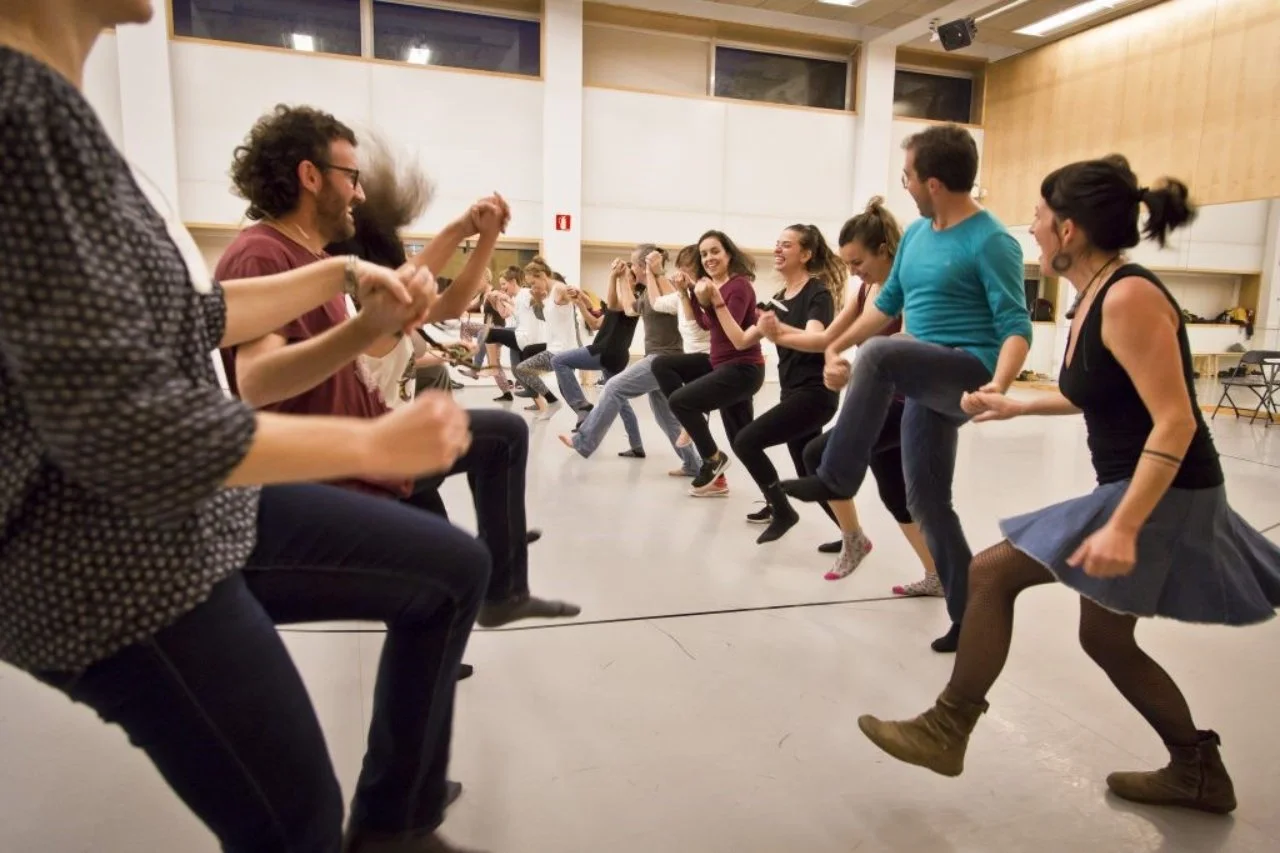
point(1107, 553)
point(489, 216)
point(680, 281)
point(703, 290)
point(767, 323)
point(395, 300)
point(654, 260)
point(424, 437)
point(837, 372)
point(617, 267)
point(989, 403)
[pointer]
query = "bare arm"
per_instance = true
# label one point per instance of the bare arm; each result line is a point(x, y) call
point(1013, 354)
point(871, 322)
point(271, 369)
point(442, 246)
point(453, 302)
point(810, 339)
point(626, 288)
point(258, 306)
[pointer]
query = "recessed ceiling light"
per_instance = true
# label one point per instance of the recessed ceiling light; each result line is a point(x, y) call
point(1007, 7)
point(301, 41)
point(419, 55)
point(840, 2)
point(1069, 16)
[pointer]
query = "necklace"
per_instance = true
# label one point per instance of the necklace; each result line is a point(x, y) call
point(305, 242)
point(1075, 306)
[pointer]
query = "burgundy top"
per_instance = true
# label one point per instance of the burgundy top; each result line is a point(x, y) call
point(262, 250)
point(891, 329)
point(740, 298)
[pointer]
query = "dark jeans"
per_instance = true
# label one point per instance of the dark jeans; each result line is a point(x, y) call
point(885, 463)
point(797, 420)
point(507, 337)
point(694, 389)
point(932, 378)
point(495, 466)
point(218, 706)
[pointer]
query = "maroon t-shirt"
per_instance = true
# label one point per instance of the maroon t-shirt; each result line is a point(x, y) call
point(740, 298)
point(262, 250)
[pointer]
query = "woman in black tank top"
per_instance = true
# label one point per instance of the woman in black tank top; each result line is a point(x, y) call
point(1155, 538)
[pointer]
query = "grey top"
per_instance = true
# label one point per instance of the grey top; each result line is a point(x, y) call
point(661, 330)
point(114, 432)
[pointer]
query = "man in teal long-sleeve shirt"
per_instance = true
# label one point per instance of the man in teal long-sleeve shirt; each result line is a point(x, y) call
point(957, 278)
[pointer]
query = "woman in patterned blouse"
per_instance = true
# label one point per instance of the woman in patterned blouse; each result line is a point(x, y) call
point(142, 568)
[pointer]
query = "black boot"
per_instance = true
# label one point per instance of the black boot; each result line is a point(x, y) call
point(784, 517)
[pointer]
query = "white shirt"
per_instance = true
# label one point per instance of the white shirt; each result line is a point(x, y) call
point(696, 338)
point(529, 329)
point(561, 323)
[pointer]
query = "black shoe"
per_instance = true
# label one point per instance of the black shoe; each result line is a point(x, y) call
point(711, 468)
point(948, 642)
point(532, 535)
point(552, 398)
point(831, 547)
point(784, 517)
point(633, 453)
point(763, 515)
point(504, 397)
point(455, 385)
point(452, 790)
point(465, 671)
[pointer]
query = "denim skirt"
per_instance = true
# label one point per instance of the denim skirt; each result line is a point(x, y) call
point(1198, 561)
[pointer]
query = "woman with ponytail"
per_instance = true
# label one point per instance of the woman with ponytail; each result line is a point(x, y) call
point(813, 279)
point(1155, 538)
point(868, 245)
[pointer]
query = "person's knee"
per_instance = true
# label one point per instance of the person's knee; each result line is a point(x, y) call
point(747, 443)
point(1106, 645)
point(311, 819)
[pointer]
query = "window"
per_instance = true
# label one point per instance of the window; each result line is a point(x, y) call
point(780, 79)
point(933, 96)
point(424, 36)
point(320, 26)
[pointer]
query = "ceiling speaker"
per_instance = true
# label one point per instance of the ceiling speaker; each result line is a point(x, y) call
point(957, 34)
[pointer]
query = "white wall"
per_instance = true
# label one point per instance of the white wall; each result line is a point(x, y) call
point(220, 91)
point(664, 169)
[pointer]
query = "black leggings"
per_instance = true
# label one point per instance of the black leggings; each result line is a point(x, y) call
point(507, 337)
point(695, 389)
point(885, 463)
point(796, 420)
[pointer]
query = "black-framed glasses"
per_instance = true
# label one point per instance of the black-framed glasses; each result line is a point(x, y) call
point(352, 174)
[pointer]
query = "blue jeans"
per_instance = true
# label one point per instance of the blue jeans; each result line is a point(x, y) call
point(565, 363)
point(216, 702)
point(932, 378)
point(635, 380)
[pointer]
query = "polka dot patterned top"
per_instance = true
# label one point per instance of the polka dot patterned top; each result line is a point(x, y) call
point(114, 434)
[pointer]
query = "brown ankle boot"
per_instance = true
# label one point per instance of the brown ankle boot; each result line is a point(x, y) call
point(936, 739)
point(1195, 778)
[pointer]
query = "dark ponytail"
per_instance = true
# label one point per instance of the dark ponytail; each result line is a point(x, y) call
point(1168, 207)
point(1102, 198)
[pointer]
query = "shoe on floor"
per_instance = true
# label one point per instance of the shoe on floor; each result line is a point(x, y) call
point(1194, 778)
point(711, 469)
point(497, 613)
point(830, 547)
point(718, 488)
point(633, 453)
point(764, 515)
point(465, 671)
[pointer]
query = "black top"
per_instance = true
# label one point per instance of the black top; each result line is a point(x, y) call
point(798, 369)
point(1118, 422)
point(613, 341)
point(113, 518)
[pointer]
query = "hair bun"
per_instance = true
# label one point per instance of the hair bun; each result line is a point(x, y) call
point(875, 204)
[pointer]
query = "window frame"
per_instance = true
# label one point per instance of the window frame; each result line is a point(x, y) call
point(462, 9)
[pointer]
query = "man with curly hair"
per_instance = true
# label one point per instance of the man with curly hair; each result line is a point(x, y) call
point(300, 173)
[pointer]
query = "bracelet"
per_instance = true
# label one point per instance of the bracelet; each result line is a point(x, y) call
point(350, 276)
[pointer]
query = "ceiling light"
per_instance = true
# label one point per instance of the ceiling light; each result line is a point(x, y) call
point(1005, 8)
point(1069, 16)
point(840, 2)
point(419, 55)
point(302, 41)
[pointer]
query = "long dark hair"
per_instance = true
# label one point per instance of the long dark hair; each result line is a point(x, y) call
point(824, 264)
point(740, 263)
point(394, 196)
point(1103, 198)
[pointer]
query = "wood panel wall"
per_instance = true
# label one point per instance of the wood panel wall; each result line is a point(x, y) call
point(1189, 88)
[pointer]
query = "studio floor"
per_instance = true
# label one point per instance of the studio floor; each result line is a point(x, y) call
point(706, 700)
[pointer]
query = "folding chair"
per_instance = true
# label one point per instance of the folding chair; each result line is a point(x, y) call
point(1263, 384)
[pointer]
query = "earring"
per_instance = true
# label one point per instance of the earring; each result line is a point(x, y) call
point(1061, 262)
